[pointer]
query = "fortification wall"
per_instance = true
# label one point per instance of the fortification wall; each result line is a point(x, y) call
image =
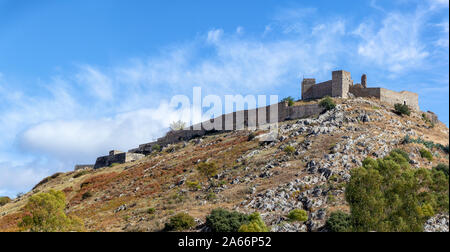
point(298, 112)
point(404, 97)
point(119, 158)
point(318, 90)
point(359, 91)
point(228, 121)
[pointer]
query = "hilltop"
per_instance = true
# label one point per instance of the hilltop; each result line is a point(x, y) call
point(307, 167)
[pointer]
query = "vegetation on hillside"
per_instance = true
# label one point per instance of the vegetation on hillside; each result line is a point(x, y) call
point(44, 212)
point(327, 103)
point(179, 222)
point(256, 224)
point(290, 100)
point(178, 125)
point(388, 195)
point(4, 200)
point(402, 109)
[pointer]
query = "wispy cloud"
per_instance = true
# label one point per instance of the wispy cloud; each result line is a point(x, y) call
point(395, 45)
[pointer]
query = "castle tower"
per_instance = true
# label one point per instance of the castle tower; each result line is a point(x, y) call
point(364, 81)
point(306, 85)
point(341, 82)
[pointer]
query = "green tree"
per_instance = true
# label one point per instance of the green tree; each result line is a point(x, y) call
point(290, 100)
point(207, 169)
point(256, 224)
point(45, 213)
point(388, 195)
point(424, 153)
point(327, 103)
point(221, 220)
point(178, 125)
point(4, 200)
point(443, 168)
point(298, 215)
point(402, 109)
point(339, 222)
point(180, 221)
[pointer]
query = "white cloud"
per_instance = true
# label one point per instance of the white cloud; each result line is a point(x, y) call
point(97, 84)
point(438, 4)
point(214, 35)
point(240, 30)
point(15, 179)
point(395, 45)
point(87, 139)
point(443, 41)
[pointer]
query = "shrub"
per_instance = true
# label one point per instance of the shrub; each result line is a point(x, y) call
point(298, 215)
point(193, 185)
point(290, 100)
point(424, 153)
point(44, 212)
point(429, 144)
point(211, 196)
point(443, 168)
point(151, 210)
point(289, 150)
point(327, 103)
point(221, 220)
point(178, 125)
point(256, 224)
point(402, 152)
point(4, 200)
point(114, 164)
point(181, 221)
point(156, 148)
point(207, 169)
point(86, 195)
point(387, 195)
point(402, 109)
point(339, 222)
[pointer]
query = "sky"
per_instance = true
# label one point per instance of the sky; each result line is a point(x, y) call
point(79, 77)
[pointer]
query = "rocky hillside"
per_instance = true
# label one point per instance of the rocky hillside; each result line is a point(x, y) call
point(307, 167)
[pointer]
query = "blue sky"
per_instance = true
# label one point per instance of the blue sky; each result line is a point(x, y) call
point(78, 78)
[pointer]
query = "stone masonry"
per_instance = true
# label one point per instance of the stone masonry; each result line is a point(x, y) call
point(341, 85)
point(118, 157)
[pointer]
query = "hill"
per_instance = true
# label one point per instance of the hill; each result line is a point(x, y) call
point(307, 167)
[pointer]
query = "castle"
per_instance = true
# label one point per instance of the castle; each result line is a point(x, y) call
point(341, 85)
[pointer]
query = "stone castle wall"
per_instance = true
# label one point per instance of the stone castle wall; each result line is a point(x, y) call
point(318, 90)
point(341, 85)
point(120, 158)
point(404, 97)
point(228, 123)
point(358, 91)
